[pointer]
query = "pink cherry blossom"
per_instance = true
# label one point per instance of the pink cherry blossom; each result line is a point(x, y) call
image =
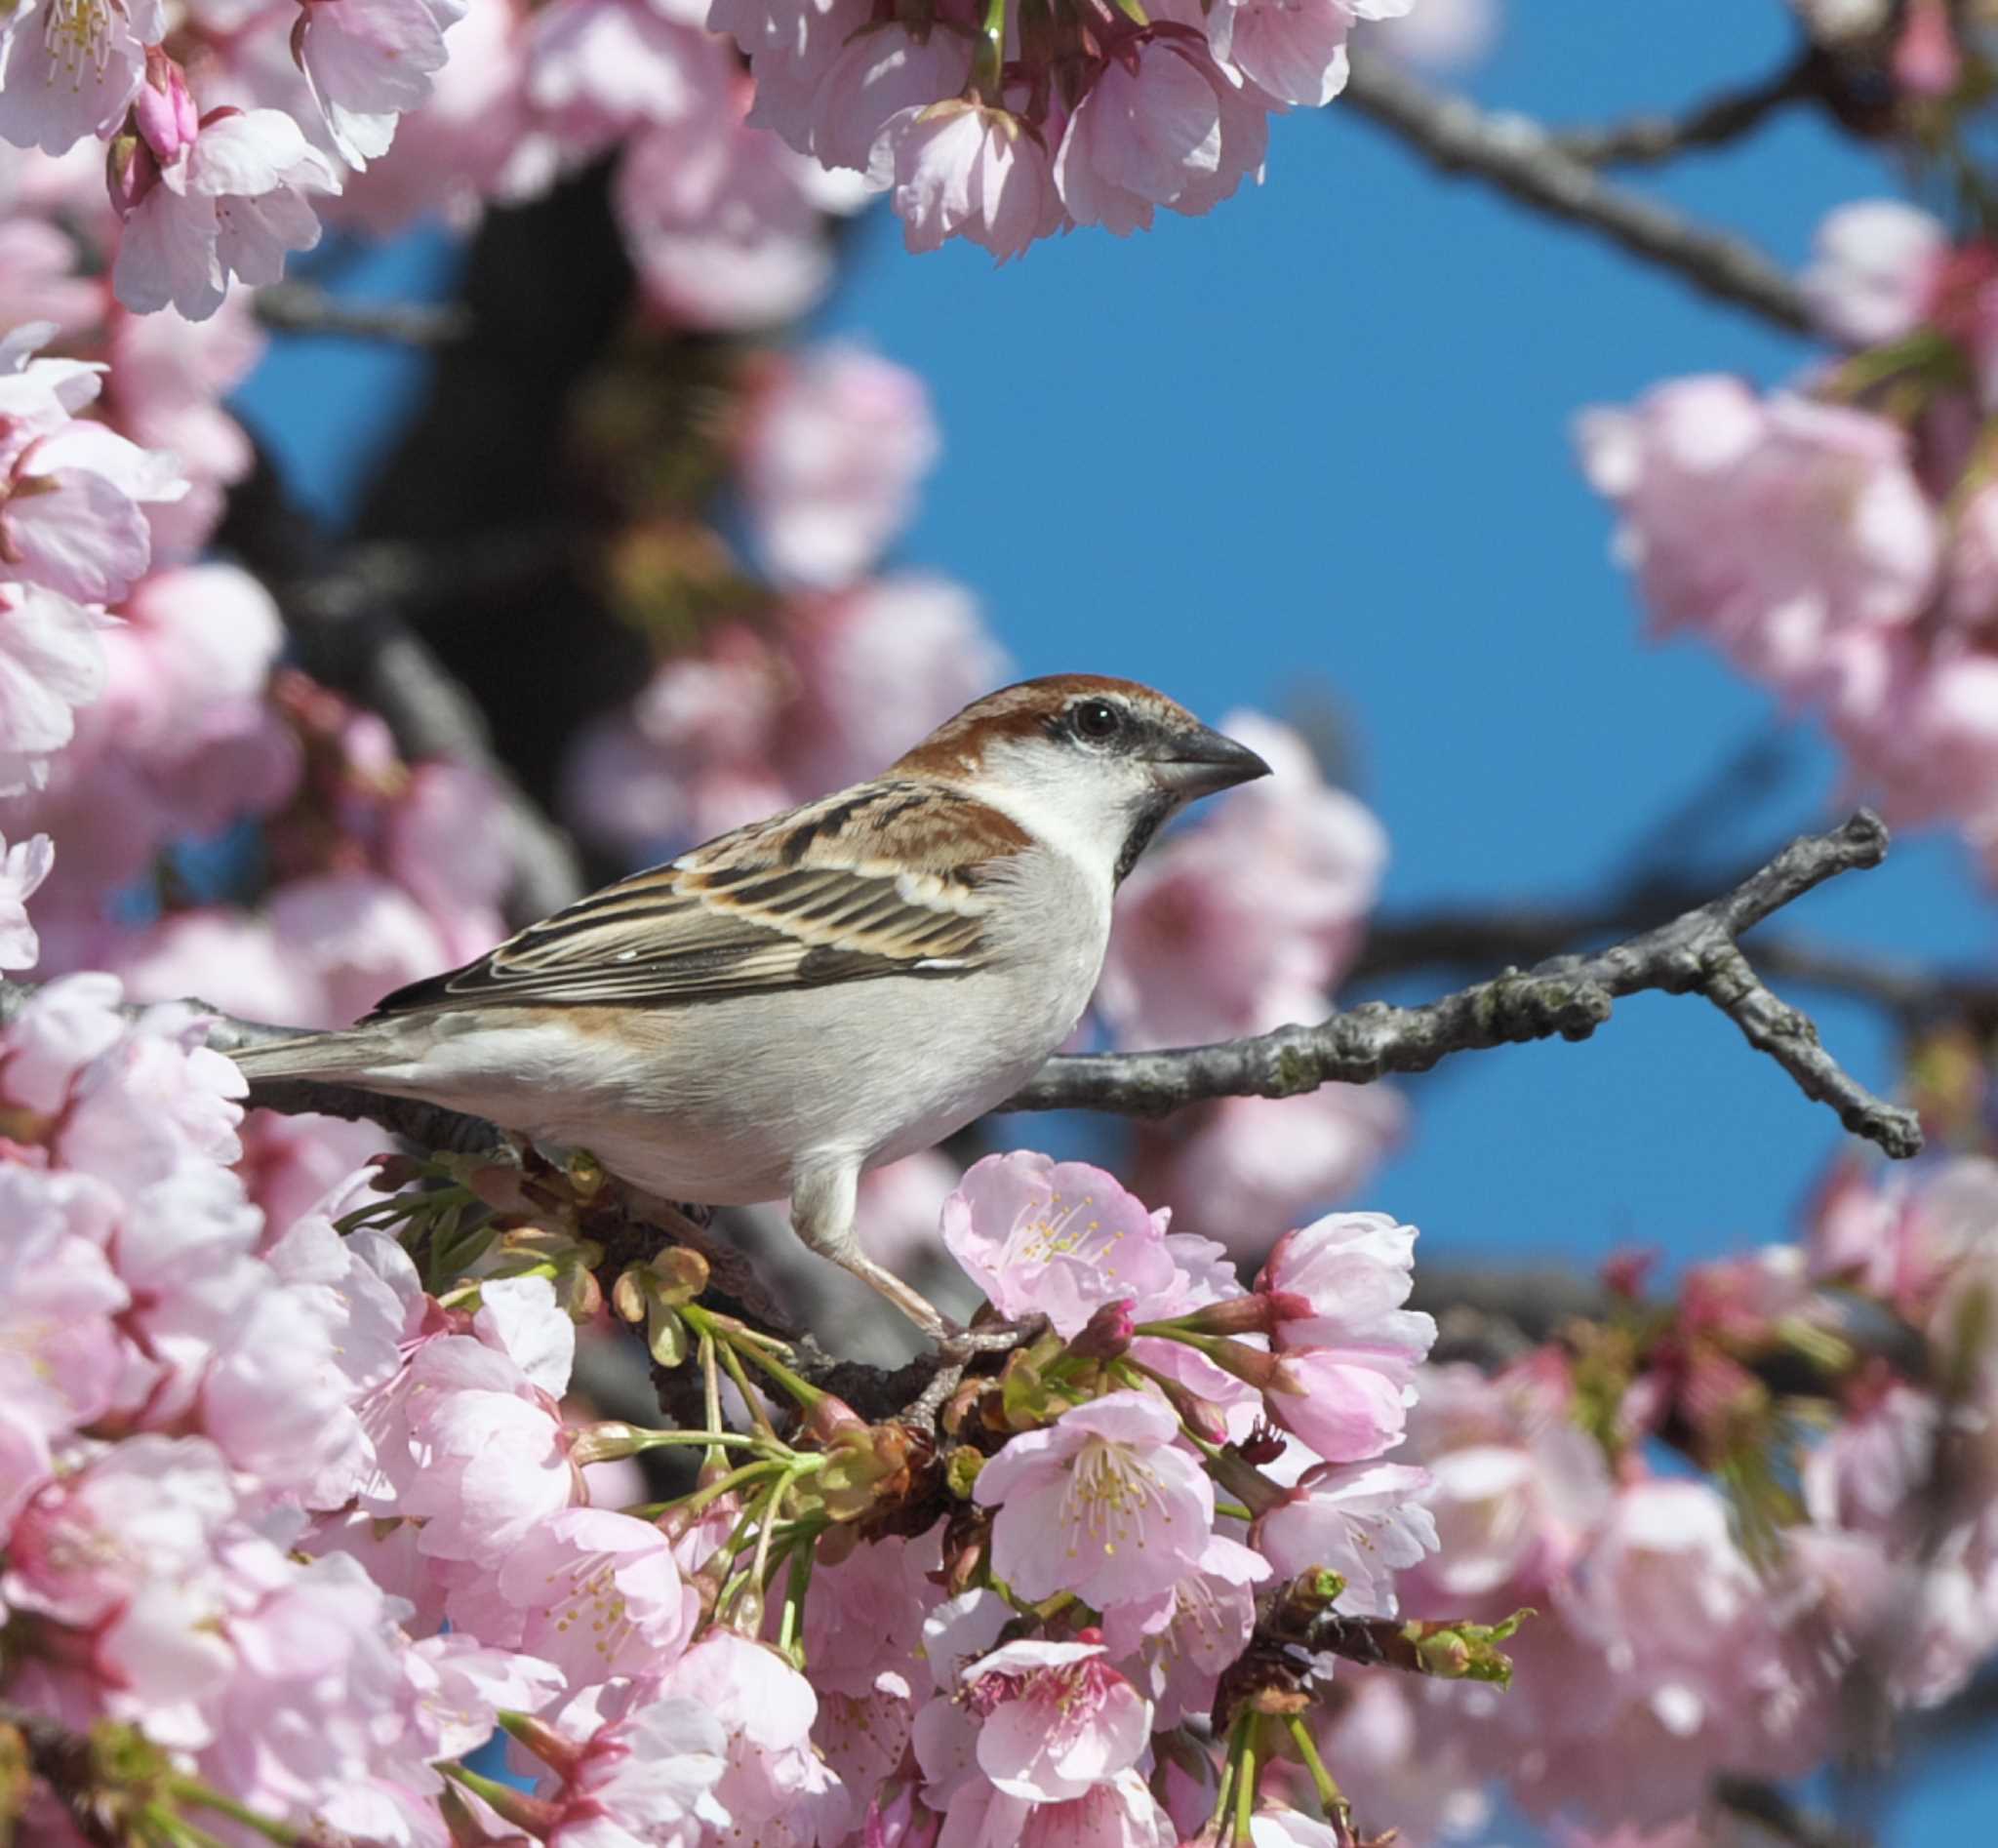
point(865, 1620)
point(594, 1592)
point(51, 662)
point(1346, 1365)
point(1515, 1486)
point(164, 111)
point(1450, 35)
point(1660, 1661)
point(1342, 1406)
point(1773, 524)
point(1364, 1521)
point(476, 136)
point(1296, 51)
point(357, 936)
point(766, 1709)
point(1056, 1718)
point(149, 1508)
point(235, 204)
point(494, 1458)
point(1101, 1503)
point(23, 869)
point(965, 169)
point(1874, 268)
point(879, 80)
point(1175, 1647)
point(596, 69)
point(459, 1686)
point(723, 226)
point(367, 61)
point(171, 374)
point(1056, 1238)
point(1119, 1812)
point(1163, 125)
point(1353, 1272)
point(836, 441)
point(69, 68)
point(646, 1771)
point(73, 494)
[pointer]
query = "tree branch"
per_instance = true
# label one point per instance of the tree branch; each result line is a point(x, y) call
point(1528, 163)
point(1571, 996)
point(303, 307)
point(1774, 1811)
point(1474, 935)
point(1649, 140)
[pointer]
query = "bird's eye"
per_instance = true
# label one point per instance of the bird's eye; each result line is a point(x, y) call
point(1096, 720)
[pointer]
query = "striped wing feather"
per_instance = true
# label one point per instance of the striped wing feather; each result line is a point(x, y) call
point(820, 895)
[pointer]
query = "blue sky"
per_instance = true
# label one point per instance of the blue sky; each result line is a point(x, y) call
point(1316, 445)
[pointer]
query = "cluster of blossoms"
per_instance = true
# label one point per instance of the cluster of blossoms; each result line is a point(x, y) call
point(1839, 539)
point(145, 716)
point(1684, 1631)
point(299, 1506)
point(232, 128)
point(302, 1512)
point(1006, 124)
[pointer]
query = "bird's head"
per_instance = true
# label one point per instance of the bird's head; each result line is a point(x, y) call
point(1088, 764)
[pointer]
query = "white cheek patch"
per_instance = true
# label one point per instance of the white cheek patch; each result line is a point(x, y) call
point(1080, 805)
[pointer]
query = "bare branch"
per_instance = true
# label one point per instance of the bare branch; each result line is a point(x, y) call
point(1779, 1814)
point(1528, 163)
point(303, 307)
point(1474, 935)
point(1648, 140)
point(1571, 996)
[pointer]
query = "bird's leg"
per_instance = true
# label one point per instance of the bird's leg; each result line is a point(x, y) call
point(823, 1202)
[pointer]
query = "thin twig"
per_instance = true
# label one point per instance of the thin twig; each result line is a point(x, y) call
point(1569, 996)
point(303, 307)
point(1775, 1812)
point(1648, 140)
point(1475, 937)
point(1525, 162)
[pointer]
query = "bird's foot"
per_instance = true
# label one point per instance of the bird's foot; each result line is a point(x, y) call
point(956, 1346)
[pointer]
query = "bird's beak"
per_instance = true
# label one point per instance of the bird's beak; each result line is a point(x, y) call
point(1201, 761)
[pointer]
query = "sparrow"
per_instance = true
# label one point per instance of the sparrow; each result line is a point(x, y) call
point(810, 995)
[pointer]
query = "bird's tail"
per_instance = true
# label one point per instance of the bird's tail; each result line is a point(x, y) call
point(345, 1057)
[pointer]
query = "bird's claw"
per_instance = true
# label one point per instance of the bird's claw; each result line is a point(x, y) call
point(956, 1346)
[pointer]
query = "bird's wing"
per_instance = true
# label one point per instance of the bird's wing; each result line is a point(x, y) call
point(885, 879)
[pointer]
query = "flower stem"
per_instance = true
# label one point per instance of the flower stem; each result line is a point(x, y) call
point(192, 1791)
point(790, 1629)
point(1336, 1809)
point(1245, 1782)
point(989, 66)
point(736, 1478)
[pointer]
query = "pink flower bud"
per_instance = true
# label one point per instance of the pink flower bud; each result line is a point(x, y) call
point(1256, 1314)
point(164, 111)
point(1107, 1333)
point(1927, 60)
point(130, 174)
